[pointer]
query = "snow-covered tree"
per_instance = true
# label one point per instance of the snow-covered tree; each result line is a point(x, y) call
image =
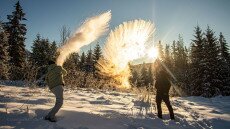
point(97, 53)
point(72, 63)
point(4, 57)
point(160, 50)
point(197, 62)
point(224, 49)
point(16, 39)
point(211, 82)
point(82, 61)
point(89, 61)
point(180, 61)
point(224, 65)
point(76, 59)
point(173, 54)
point(181, 57)
point(150, 75)
point(53, 50)
point(40, 51)
point(168, 60)
point(16, 31)
point(144, 76)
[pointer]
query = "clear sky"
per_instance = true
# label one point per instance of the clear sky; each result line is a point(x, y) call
point(171, 17)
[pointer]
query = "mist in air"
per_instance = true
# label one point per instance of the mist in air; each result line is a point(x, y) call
point(124, 44)
point(88, 32)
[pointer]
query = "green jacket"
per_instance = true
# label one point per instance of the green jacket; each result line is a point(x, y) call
point(54, 76)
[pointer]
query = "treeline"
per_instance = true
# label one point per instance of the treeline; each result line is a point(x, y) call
point(142, 75)
point(85, 62)
point(15, 58)
point(77, 65)
point(17, 63)
point(209, 66)
point(203, 69)
point(43, 50)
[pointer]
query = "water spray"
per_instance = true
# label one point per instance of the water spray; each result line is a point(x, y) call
point(124, 44)
point(88, 32)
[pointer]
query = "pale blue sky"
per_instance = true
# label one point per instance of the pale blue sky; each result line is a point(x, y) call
point(171, 17)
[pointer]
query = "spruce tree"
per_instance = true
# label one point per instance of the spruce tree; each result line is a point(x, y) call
point(35, 49)
point(144, 76)
point(76, 59)
point(4, 57)
point(40, 51)
point(197, 62)
point(180, 61)
point(89, 61)
point(16, 31)
point(53, 50)
point(173, 53)
point(160, 50)
point(40, 55)
point(224, 65)
point(180, 57)
point(168, 57)
point(134, 77)
point(150, 76)
point(82, 61)
point(16, 39)
point(224, 48)
point(211, 83)
point(72, 62)
point(97, 54)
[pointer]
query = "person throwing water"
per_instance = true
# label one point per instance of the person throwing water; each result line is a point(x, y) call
point(162, 86)
point(55, 81)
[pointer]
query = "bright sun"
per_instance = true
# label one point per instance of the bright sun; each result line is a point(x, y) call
point(153, 53)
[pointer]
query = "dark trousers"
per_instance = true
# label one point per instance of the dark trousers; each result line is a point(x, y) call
point(165, 98)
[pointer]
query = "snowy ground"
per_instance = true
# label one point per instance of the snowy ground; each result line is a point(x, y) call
point(23, 107)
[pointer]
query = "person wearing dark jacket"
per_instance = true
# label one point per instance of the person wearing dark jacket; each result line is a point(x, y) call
point(55, 81)
point(162, 86)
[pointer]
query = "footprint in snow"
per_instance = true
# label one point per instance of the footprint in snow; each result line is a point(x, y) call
point(191, 103)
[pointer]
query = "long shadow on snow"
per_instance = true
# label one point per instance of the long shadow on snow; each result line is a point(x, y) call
point(82, 120)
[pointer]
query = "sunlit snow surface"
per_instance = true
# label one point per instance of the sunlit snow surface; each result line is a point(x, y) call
point(101, 109)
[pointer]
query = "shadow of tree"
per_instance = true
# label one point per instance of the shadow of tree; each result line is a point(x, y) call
point(84, 120)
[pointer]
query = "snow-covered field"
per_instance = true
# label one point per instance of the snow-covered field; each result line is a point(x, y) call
point(23, 107)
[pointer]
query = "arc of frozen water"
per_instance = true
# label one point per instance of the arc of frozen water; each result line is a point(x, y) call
point(124, 44)
point(88, 32)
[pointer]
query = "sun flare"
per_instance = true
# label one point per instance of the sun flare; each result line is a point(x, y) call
point(153, 53)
